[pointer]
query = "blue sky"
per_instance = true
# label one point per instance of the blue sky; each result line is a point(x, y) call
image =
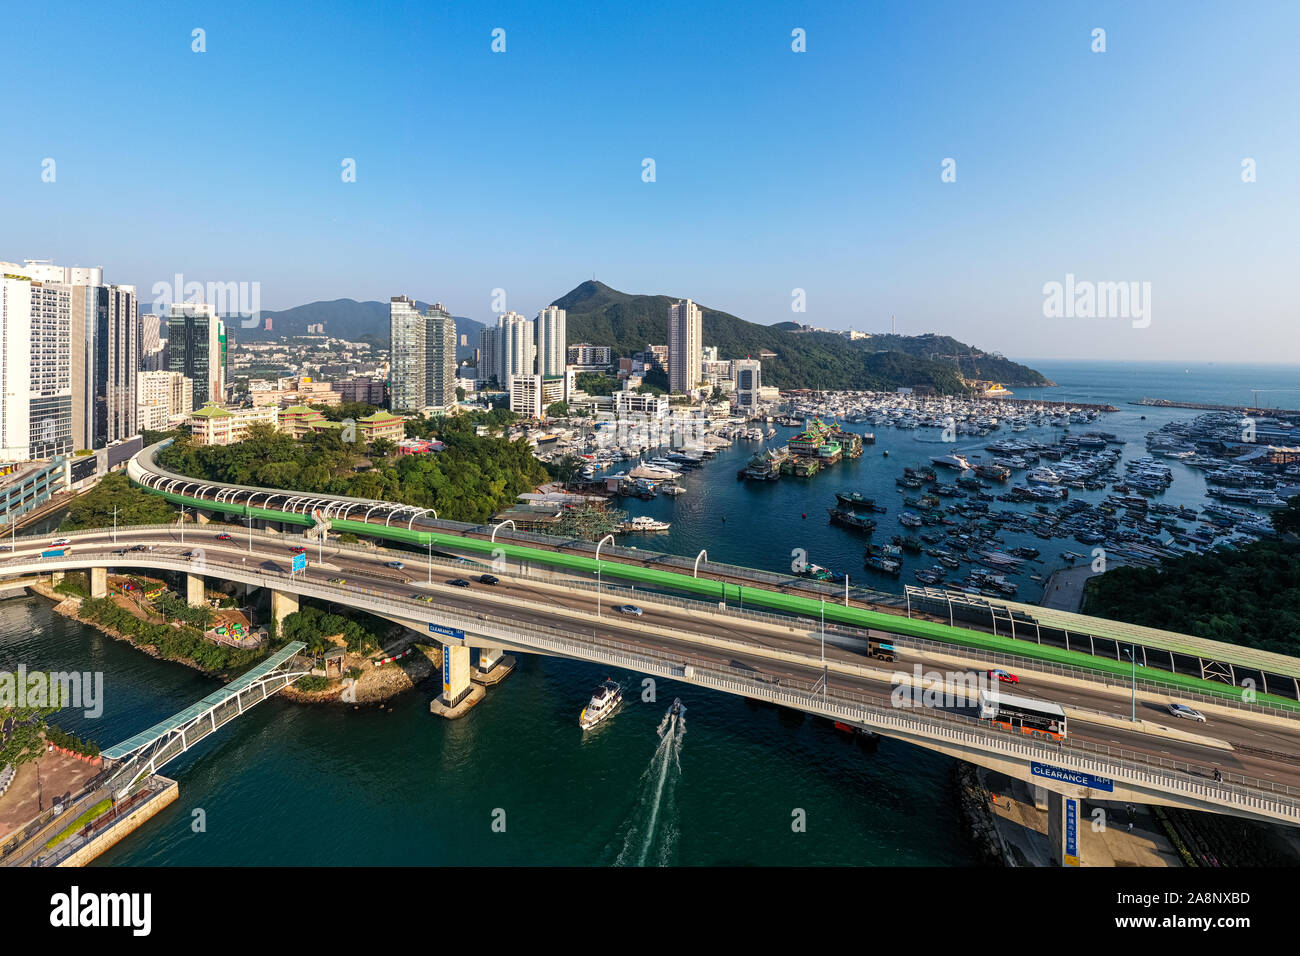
point(775, 170)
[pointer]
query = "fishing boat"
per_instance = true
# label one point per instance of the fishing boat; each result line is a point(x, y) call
point(909, 520)
point(855, 501)
point(604, 701)
point(851, 519)
point(884, 565)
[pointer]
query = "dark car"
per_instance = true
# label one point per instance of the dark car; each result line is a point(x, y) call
point(488, 579)
point(458, 583)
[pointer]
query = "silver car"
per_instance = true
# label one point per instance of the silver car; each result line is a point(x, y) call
point(630, 609)
point(1182, 710)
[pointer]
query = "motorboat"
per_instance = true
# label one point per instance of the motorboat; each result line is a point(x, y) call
point(604, 701)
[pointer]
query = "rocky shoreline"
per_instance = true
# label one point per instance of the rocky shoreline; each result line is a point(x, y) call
point(376, 684)
point(977, 815)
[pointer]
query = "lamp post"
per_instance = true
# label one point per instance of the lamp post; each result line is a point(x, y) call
point(608, 537)
point(823, 630)
point(1132, 656)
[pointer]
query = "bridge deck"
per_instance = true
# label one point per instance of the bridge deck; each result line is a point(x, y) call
point(674, 571)
point(195, 710)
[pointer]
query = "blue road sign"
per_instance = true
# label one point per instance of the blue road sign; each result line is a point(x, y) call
point(447, 631)
point(300, 562)
point(1071, 827)
point(1076, 777)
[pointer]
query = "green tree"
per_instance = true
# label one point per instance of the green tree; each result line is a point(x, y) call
point(94, 509)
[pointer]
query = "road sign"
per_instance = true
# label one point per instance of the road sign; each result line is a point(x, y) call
point(300, 562)
point(1076, 777)
point(447, 631)
point(1071, 832)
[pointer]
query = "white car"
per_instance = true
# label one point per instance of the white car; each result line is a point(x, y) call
point(61, 541)
point(1182, 710)
point(630, 609)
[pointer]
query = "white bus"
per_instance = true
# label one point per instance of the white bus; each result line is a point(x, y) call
point(1038, 718)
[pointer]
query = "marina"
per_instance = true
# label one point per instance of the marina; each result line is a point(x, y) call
point(1136, 488)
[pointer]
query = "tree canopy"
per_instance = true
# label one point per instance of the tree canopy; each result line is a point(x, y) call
point(469, 480)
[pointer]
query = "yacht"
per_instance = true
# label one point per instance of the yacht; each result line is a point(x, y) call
point(951, 461)
point(604, 701)
point(1044, 476)
point(642, 523)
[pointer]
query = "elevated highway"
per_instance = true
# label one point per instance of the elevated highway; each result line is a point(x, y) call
point(1180, 662)
point(780, 659)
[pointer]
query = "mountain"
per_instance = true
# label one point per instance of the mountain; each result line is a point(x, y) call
point(348, 319)
point(604, 316)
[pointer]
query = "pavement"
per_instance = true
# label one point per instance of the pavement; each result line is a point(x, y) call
point(40, 784)
point(1063, 590)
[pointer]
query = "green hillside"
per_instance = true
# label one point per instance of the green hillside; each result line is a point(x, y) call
point(348, 319)
point(627, 323)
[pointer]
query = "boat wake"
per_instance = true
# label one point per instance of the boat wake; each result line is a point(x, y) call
point(649, 834)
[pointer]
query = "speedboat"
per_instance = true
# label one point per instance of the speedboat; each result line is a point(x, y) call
point(677, 707)
point(604, 701)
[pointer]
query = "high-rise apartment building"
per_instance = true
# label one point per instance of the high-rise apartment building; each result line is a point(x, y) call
point(748, 376)
point(551, 346)
point(15, 365)
point(116, 365)
point(196, 347)
point(440, 349)
point(489, 355)
point(81, 341)
point(50, 417)
point(518, 346)
point(422, 356)
point(685, 331)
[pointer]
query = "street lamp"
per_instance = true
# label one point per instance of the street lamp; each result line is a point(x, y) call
point(823, 630)
point(182, 524)
point(608, 537)
point(1132, 656)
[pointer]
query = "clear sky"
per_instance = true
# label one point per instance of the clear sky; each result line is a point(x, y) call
point(775, 170)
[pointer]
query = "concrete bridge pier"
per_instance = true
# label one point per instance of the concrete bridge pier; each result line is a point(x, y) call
point(201, 516)
point(459, 692)
point(98, 582)
point(494, 664)
point(283, 603)
point(194, 592)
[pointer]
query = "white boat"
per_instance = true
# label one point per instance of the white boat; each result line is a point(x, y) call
point(951, 461)
point(642, 523)
point(604, 701)
point(674, 490)
point(1044, 476)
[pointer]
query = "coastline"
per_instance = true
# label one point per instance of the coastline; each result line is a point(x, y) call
point(382, 686)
